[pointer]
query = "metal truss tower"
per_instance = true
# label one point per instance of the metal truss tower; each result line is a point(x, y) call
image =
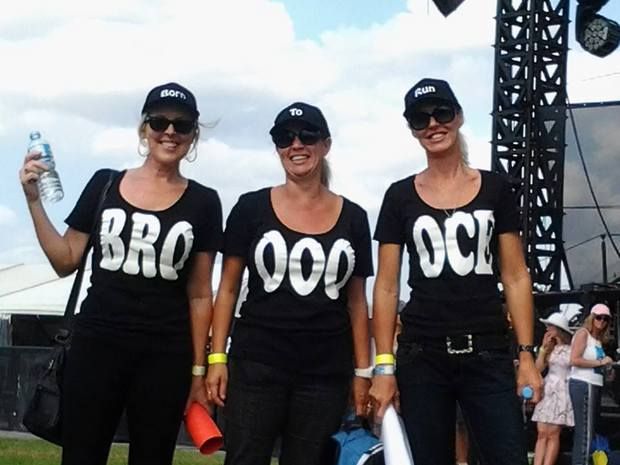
point(529, 120)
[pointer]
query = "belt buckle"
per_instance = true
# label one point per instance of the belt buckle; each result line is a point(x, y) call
point(460, 349)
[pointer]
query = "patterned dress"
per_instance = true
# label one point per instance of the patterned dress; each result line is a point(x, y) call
point(555, 407)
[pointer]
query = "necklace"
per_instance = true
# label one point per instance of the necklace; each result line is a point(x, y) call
point(449, 212)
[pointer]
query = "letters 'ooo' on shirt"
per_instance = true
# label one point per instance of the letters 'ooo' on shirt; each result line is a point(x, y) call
point(141, 260)
point(453, 269)
point(295, 313)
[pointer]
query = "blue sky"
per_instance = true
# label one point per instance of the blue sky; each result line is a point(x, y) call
point(311, 18)
point(78, 71)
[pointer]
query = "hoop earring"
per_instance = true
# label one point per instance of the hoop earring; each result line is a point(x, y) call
point(143, 150)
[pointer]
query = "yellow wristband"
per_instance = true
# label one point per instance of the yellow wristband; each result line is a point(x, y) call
point(217, 357)
point(384, 359)
point(198, 370)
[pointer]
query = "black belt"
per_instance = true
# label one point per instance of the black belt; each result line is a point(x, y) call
point(464, 343)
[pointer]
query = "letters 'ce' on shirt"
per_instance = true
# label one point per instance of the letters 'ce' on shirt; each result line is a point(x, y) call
point(453, 257)
point(295, 315)
point(141, 261)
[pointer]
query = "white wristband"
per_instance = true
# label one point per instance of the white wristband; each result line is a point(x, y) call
point(198, 370)
point(364, 372)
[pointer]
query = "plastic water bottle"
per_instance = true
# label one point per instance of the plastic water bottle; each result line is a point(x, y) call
point(526, 394)
point(50, 187)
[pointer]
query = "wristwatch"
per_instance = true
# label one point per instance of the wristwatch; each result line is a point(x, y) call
point(527, 348)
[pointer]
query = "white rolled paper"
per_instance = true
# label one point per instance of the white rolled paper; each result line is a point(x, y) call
point(396, 447)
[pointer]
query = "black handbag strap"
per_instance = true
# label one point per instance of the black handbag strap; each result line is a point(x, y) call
point(77, 282)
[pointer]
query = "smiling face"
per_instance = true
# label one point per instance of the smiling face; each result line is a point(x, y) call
point(300, 160)
point(167, 145)
point(438, 138)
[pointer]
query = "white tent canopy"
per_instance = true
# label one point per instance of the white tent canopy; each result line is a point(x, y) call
point(35, 290)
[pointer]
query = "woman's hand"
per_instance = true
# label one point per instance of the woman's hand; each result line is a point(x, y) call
point(217, 382)
point(198, 393)
point(29, 175)
point(607, 360)
point(548, 342)
point(359, 392)
point(528, 375)
point(383, 391)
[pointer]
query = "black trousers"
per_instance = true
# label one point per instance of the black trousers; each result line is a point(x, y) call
point(265, 402)
point(103, 378)
point(431, 382)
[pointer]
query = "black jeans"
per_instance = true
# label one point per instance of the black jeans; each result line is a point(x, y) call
point(104, 377)
point(431, 381)
point(264, 402)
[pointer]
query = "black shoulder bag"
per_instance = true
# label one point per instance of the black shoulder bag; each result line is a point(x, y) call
point(43, 414)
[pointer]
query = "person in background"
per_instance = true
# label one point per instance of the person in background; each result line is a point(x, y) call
point(588, 359)
point(461, 229)
point(555, 410)
point(304, 322)
point(145, 319)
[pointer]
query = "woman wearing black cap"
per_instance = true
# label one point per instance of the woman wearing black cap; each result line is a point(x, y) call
point(460, 226)
point(148, 309)
point(304, 323)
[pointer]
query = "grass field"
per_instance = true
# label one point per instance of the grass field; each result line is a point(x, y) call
point(38, 452)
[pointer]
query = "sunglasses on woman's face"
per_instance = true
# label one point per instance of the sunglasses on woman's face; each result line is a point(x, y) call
point(285, 137)
point(443, 114)
point(604, 318)
point(161, 123)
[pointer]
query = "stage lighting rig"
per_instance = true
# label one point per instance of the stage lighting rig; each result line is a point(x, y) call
point(597, 34)
point(447, 6)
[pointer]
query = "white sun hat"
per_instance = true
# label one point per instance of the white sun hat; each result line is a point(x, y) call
point(557, 319)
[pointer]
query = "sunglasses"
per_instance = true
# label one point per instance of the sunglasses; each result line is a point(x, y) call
point(420, 119)
point(161, 123)
point(604, 318)
point(284, 138)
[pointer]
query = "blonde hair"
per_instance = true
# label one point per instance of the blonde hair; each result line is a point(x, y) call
point(588, 324)
point(326, 172)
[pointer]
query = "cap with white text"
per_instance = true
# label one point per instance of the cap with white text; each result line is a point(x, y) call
point(429, 90)
point(171, 94)
point(300, 111)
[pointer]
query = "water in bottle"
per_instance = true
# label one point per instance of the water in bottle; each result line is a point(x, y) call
point(50, 188)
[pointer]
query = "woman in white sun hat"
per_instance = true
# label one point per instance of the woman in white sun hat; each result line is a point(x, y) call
point(586, 379)
point(555, 409)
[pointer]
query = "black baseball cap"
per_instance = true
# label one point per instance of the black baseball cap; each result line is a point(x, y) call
point(172, 94)
point(429, 90)
point(300, 111)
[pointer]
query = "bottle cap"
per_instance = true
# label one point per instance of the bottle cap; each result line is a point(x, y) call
point(527, 393)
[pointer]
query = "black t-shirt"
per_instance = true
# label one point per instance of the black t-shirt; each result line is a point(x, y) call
point(295, 314)
point(453, 272)
point(141, 261)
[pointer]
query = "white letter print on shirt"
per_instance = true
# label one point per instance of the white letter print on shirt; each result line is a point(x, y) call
point(328, 269)
point(141, 254)
point(481, 222)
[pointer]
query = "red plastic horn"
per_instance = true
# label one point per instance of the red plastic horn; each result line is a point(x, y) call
point(202, 429)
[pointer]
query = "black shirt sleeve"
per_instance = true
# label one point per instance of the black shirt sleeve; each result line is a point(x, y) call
point(389, 222)
point(82, 216)
point(210, 234)
point(238, 234)
point(362, 244)
point(507, 217)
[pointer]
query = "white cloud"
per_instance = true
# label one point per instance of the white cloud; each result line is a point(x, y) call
point(79, 72)
point(7, 215)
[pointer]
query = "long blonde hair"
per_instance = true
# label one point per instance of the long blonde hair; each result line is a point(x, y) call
point(588, 324)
